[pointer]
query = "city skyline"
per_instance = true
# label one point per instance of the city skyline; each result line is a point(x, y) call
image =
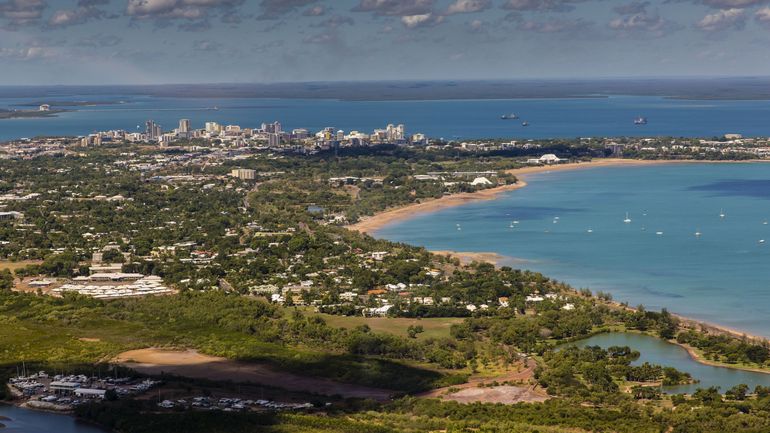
point(192, 41)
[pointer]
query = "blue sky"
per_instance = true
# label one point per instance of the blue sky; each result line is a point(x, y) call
point(180, 41)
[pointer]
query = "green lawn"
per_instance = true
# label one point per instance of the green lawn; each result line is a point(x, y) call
point(434, 327)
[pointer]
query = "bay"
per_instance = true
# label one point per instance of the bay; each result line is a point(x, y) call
point(657, 260)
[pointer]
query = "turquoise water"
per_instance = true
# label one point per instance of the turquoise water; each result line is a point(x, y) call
point(28, 421)
point(451, 119)
point(722, 276)
point(657, 351)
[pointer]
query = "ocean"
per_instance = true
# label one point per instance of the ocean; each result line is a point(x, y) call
point(677, 252)
point(448, 119)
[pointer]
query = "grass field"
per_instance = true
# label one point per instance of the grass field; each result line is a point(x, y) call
point(6, 264)
point(434, 327)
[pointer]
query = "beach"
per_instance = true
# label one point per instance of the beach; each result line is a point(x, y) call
point(373, 223)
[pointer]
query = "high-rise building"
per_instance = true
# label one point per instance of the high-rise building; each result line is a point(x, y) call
point(213, 127)
point(150, 129)
point(184, 126)
point(277, 128)
point(274, 140)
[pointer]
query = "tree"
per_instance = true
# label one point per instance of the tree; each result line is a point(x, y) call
point(738, 392)
point(6, 279)
point(413, 330)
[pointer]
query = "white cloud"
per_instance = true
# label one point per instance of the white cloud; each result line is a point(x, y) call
point(728, 19)
point(468, 6)
point(421, 20)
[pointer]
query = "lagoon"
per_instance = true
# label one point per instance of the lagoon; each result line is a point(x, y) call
point(657, 351)
point(721, 276)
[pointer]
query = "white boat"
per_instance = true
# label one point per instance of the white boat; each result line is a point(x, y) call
point(627, 220)
point(659, 233)
point(698, 234)
point(761, 241)
point(515, 222)
point(721, 213)
point(590, 230)
point(764, 223)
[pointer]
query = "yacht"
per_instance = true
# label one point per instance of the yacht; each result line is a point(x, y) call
point(761, 241)
point(590, 230)
point(721, 213)
point(698, 233)
point(659, 233)
point(627, 220)
point(640, 121)
point(524, 123)
point(509, 117)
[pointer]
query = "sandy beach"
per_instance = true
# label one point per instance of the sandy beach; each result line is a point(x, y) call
point(375, 222)
point(371, 224)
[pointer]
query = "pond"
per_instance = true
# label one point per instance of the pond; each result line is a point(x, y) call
point(657, 351)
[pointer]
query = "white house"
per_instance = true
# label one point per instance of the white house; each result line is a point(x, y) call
point(481, 181)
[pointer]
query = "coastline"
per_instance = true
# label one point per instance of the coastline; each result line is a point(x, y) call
point(370, 225)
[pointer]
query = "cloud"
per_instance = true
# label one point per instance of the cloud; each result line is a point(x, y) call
point(732, 4)
point(335, 21)
point(477, 26)
point(315, 11)
point(21, 12)
point(727, 19)
point(421, 20)
point(541, 5)
point(397, 8)
point(635, 7)
point(636, 19)
point(99, 40)
point(179, 9)
point(85, 11)
point(572, 26)
point(207, 46)
point(468, 6)
point(272, 9)
point(762, 16)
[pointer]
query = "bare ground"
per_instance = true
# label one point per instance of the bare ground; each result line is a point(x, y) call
point(472, 392)
point(190, 363)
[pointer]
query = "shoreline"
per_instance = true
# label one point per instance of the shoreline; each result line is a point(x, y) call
point(370, 225)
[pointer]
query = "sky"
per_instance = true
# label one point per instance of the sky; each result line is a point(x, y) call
point(206, 41)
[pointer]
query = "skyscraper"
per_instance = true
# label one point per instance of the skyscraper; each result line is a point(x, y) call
point(184, 126)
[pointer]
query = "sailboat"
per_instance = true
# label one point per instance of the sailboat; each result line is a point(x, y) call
point(627, 220)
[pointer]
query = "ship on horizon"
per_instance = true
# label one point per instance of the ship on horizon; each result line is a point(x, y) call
point(509, 116)
point(640, 121)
